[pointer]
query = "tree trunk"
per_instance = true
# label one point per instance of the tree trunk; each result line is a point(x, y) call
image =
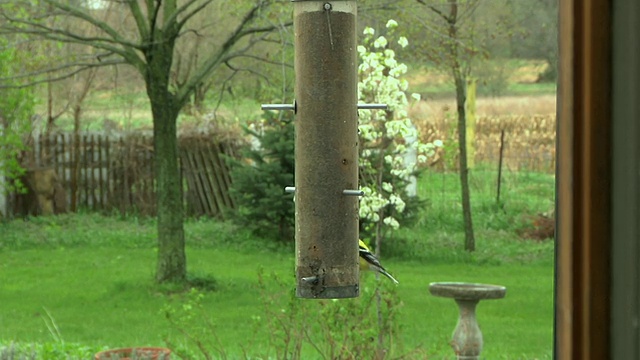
point(172, 262)
point(469, 238)
point(461, 98)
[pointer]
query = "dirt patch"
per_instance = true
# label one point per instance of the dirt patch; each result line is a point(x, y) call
point(539, 227)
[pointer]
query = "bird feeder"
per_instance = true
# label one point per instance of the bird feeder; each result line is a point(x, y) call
point(326, 148)
point(326, 145)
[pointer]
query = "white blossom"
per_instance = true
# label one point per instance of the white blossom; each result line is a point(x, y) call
point(387, 186)
point(402, 41)
point(392, 24)
point(380, 42)
point(392, 222)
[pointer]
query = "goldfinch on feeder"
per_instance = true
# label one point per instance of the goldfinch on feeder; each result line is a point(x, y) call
point(368, 261)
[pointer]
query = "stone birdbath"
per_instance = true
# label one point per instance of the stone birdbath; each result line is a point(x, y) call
point(467, 338)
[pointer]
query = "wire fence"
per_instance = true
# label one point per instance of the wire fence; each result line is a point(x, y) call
point(514, 157)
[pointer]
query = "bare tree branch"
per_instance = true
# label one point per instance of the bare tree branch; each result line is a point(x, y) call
point(249, 70)
point(192, 13)
point(221, 55)
point(261, 59)
point(466, 13)
point(222, 88)
point(72, 38)
point(436, 10)
point(114, 43)
point(79, 67)
point(141, 24)
point(235, 71)
point(77, 13)
point(439, 33)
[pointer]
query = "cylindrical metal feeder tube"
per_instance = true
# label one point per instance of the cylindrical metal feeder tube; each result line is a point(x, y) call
point(326, 146)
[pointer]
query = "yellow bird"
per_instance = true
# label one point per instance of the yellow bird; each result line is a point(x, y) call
point(368, 261)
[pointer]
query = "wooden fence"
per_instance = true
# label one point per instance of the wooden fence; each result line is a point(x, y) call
point(116, 173)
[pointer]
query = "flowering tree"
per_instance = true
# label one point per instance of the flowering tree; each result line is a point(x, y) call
point(390, 150)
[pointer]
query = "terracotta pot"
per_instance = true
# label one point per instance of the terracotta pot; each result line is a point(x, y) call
point(141, 353)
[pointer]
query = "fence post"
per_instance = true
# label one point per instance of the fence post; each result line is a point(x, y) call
point(326, 149)
point(3, 184)
point(471, 122)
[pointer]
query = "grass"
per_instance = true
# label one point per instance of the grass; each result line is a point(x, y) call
point(112, 302)
point(93, 275)
point(446, 90)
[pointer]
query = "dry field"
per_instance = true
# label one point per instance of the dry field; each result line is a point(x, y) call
point(528, 123)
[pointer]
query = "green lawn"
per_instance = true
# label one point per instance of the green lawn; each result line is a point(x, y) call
point(93, 275)
point(103, 296)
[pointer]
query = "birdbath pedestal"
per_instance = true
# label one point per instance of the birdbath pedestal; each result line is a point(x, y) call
point(467, 338)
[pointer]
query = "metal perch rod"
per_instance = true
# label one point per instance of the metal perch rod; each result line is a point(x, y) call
point(292, 189)
point(293, 107)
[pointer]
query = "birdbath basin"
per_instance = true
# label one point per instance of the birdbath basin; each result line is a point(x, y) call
point(467, 339)
point(467, 291)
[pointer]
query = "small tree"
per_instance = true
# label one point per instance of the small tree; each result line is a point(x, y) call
point(259, 179)
point(455, 55)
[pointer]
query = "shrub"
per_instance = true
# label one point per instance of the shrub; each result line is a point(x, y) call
point(16, 108)
point(260, 178)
